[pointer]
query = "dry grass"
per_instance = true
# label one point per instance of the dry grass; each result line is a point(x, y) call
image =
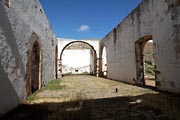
point(92, 98)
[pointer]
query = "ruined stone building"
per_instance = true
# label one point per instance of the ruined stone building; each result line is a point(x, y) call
point(30, 54)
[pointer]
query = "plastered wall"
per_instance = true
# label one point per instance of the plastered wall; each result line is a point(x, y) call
point(159, 19)
point(21, 23)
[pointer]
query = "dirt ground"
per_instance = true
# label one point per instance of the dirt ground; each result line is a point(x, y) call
point(93, 98)
point(89, 87)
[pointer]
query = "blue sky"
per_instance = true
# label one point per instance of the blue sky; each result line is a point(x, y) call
point(86, 19)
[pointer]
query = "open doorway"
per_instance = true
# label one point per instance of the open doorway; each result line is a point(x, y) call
point(35, 85)
point(145, 61)
point(104, 62)
point(103, 70)
point(34, 68)
point(78, 57)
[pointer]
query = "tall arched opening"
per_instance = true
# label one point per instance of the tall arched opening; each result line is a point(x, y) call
point(78, 57)
point(34, 68)
point(145, 64)
point(103, 62)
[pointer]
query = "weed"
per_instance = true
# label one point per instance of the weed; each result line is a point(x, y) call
point(32, 97)
point(54, 85)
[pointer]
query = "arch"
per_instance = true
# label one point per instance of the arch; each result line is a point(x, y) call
point(103, 69)
point(34, 70)
point(56, 62)
point(104, 62)
point(145, 67)
point(91, 47)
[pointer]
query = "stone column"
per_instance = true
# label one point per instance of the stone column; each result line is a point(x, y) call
point(100, 72)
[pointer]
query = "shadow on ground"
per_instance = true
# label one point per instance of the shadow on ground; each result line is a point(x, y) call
point(144, 107)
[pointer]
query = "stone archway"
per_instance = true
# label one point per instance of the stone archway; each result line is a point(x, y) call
point(82, 45)
point(34, 69)
point(102, 61)
point(145, 65)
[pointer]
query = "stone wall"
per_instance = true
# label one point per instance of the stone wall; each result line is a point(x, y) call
point(21, 24)
point(152, 19)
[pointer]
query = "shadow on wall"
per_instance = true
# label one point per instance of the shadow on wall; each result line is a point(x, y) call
point(10, 38)
point(8, 96)
point(144, 107)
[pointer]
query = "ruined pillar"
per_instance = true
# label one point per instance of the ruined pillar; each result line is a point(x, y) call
point(100, 72)
point(59, 68)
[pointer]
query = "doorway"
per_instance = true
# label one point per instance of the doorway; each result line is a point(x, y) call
point(34, 68)
point(145, 64)
point(78, 57)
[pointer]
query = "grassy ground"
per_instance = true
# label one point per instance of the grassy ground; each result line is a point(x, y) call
point(54, 85)
point(93, 98)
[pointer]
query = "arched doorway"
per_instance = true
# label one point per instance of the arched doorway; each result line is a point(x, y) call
point(56, 62)
point(102, 62)
point(34, 68)
point(78, 57)
point(145, 64)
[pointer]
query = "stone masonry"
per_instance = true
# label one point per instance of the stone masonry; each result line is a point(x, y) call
point(157, 20)
point(23, 24)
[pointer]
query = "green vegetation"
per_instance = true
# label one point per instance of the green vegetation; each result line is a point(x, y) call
point(53, 85)
point(148, 62)
point(149, 53)
point(149, 68)
point(149, 59)
point(32, 97)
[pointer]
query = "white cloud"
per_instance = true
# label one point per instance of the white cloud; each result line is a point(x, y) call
point(83, 28)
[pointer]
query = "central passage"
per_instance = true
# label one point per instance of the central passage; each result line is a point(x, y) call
point(88, 87)
point(86, 97)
